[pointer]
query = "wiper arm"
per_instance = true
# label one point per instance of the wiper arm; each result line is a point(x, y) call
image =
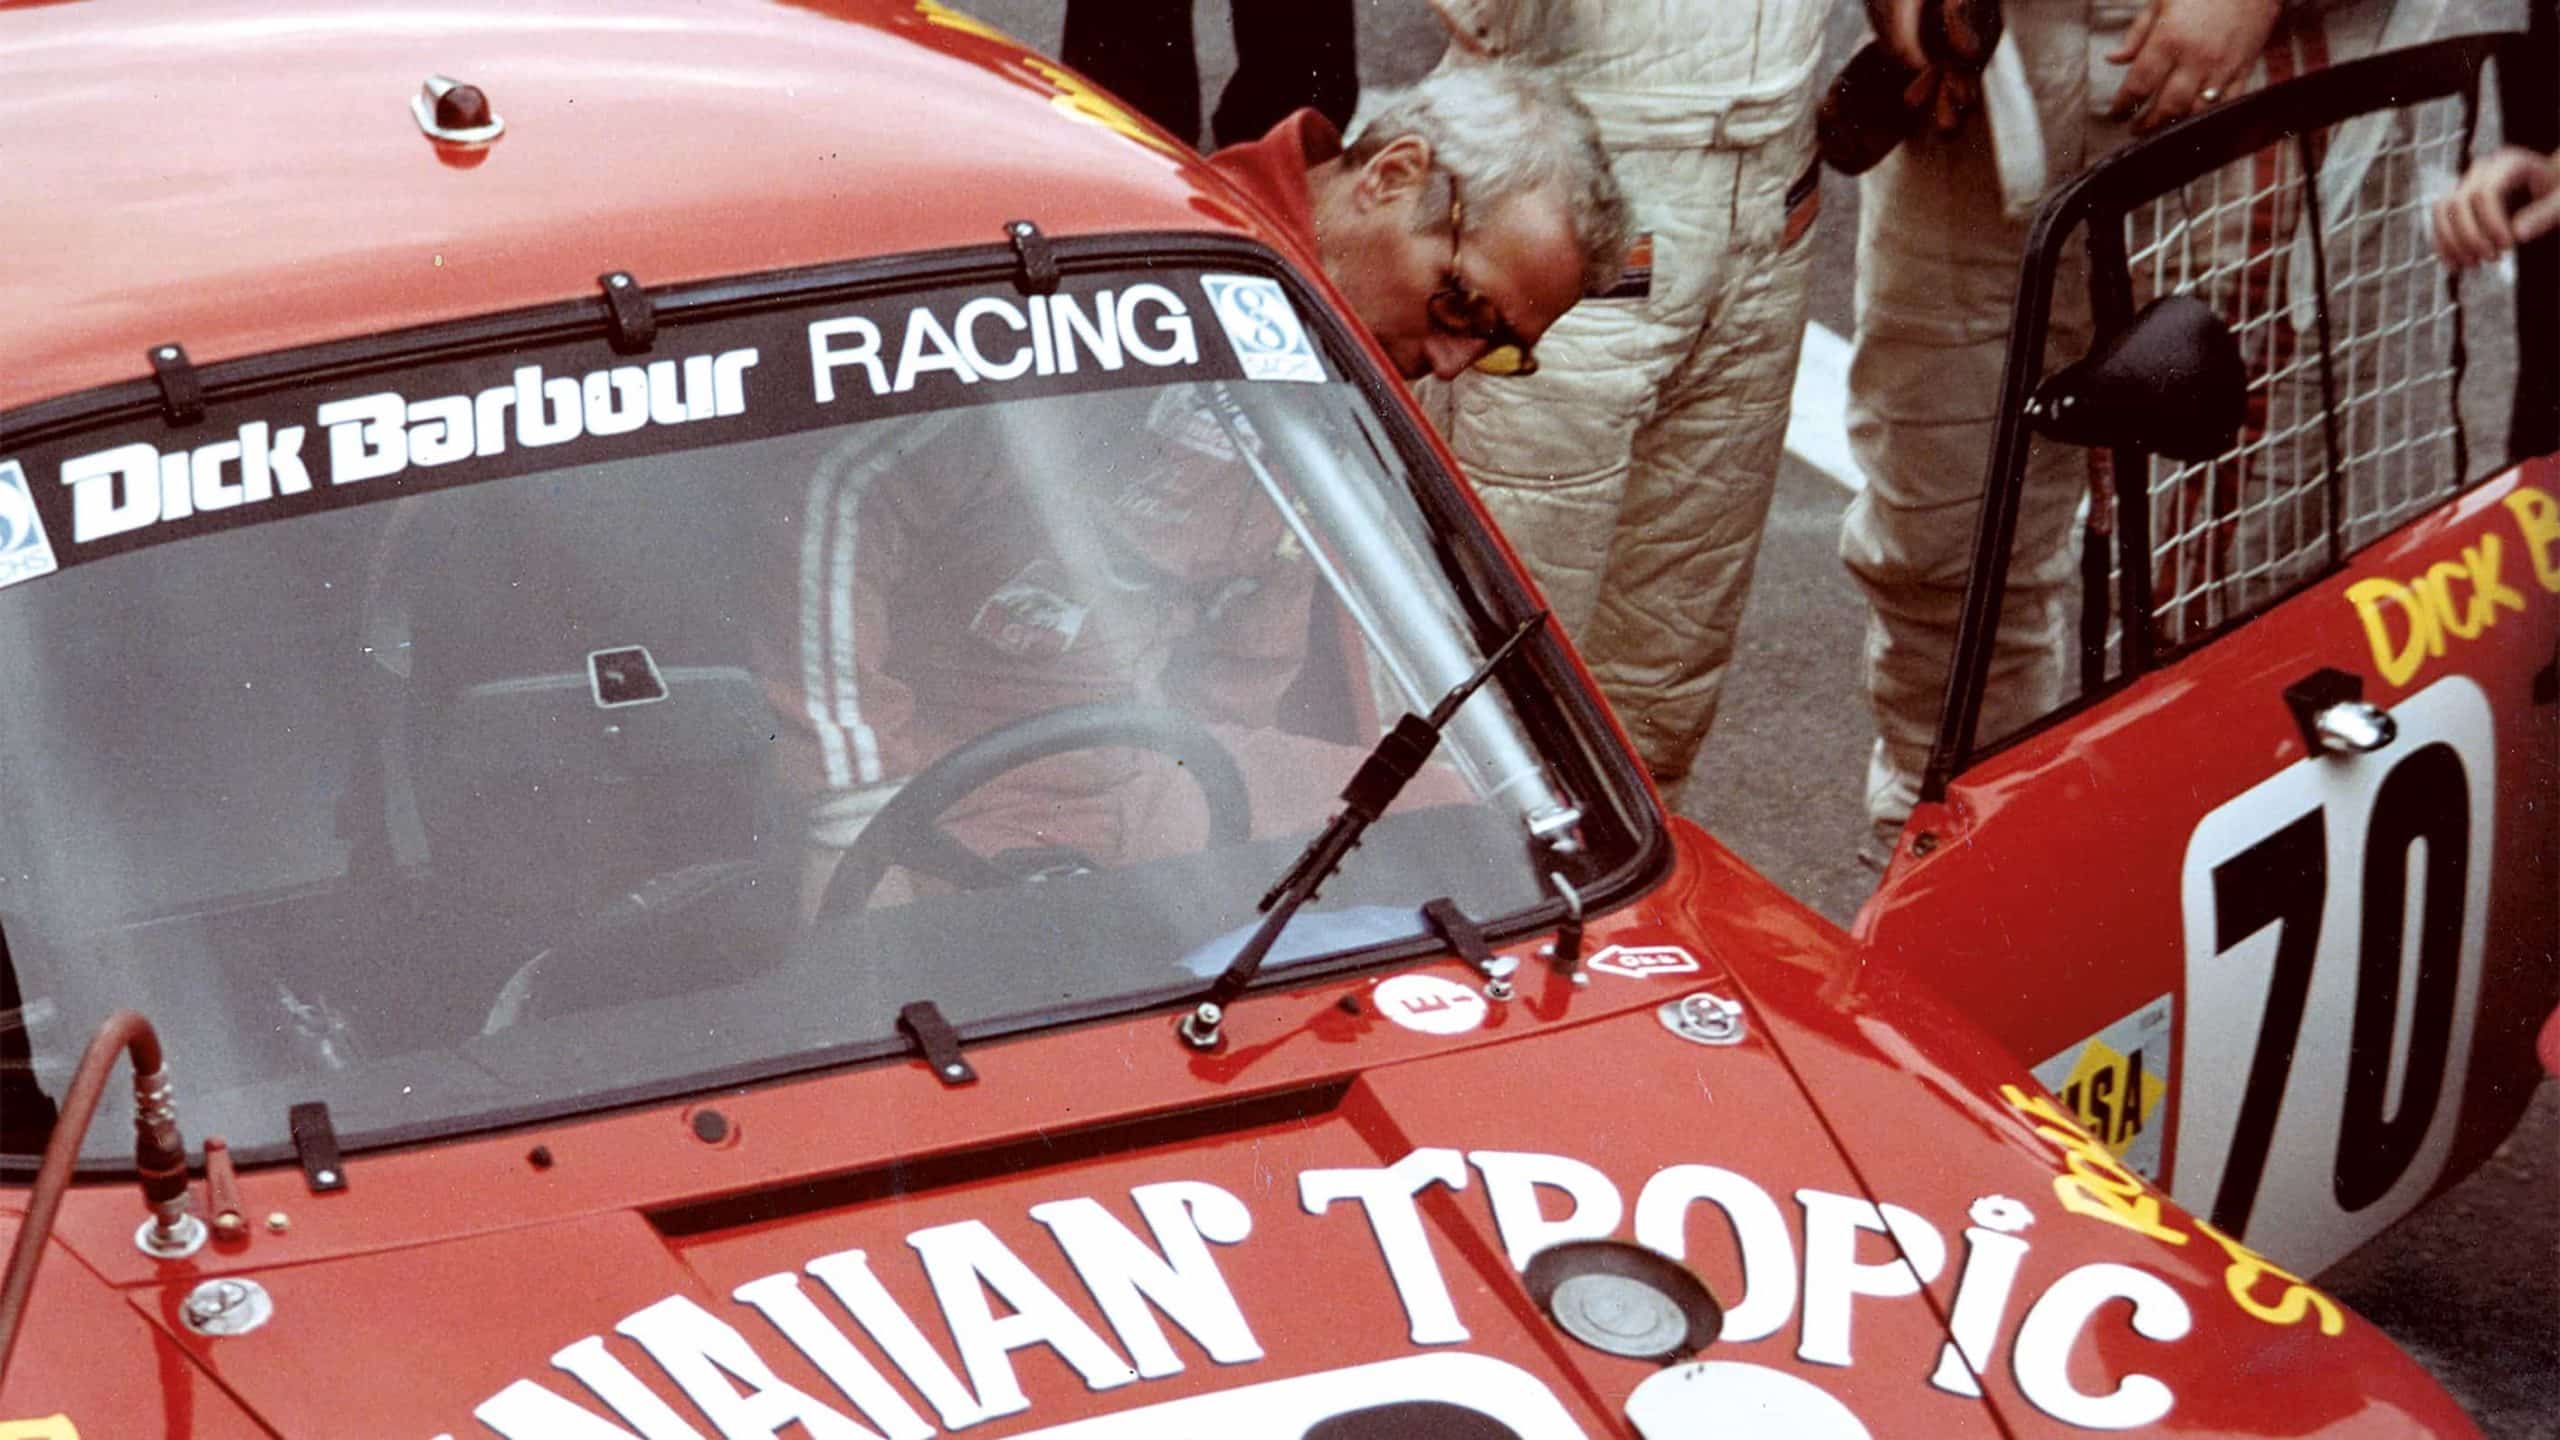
point(1398, 756)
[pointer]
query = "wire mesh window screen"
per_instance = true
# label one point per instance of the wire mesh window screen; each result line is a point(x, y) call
point(2231, 535)
point(2313, 249)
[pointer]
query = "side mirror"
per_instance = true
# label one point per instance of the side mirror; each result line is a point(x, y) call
point(2170, 383)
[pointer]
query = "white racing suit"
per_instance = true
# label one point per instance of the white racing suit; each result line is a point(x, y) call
point(1633, 472)
point(1938, 258)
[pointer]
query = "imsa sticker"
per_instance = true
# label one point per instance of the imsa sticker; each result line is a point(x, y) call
point(2114, 1083)
point(1263, 328)
point(25, 550)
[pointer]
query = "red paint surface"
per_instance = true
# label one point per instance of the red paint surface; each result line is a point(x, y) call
point(2050, 906)
point(243, 177)
point(298, 202)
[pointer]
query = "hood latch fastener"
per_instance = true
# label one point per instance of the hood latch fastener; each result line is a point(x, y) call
point(1461, 934)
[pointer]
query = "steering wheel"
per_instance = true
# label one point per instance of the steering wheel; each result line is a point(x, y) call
point(906, 834)
point(600, 955)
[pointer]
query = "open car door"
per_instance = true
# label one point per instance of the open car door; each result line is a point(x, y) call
point(2270, 900)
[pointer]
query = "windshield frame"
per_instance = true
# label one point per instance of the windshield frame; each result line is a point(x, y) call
point(1558, 708)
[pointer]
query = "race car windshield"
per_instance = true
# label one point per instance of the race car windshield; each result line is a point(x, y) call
point(515, 735)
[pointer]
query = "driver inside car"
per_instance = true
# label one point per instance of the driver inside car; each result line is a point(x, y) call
point(958, 572)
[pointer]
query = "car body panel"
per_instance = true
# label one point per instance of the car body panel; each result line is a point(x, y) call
point(2048, 946)
point(154, 1389)
point(183, 190)
point(1891, 1171)
point(1572, 1112)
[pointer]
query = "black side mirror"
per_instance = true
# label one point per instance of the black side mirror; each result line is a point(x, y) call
point(2170, 383)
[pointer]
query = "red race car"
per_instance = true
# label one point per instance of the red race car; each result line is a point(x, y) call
point(726, 676)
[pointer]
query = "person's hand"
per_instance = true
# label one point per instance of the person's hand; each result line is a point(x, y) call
point(1897, 24)
point(2183, 55)
point(1945, 94)
point(2473, 223)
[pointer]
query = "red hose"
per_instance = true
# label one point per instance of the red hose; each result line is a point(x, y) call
point(124, 1029)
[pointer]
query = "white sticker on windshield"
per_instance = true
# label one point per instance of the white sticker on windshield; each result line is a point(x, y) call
point(1263, 327)
point(25, 550)
point(1430, 1004)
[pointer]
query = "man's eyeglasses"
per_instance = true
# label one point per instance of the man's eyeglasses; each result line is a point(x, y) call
point(1457, 308)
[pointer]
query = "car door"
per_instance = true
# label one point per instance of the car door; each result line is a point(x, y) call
point(2270, 900)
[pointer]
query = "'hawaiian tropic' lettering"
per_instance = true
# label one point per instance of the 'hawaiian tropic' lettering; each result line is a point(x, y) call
point(840, 1317)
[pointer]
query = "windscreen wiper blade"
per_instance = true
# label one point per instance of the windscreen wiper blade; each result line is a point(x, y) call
point(1398, 756)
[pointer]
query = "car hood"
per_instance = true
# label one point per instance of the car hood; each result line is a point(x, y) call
point(1330, 1245)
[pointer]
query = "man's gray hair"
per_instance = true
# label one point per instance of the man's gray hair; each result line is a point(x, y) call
point(1505, 133)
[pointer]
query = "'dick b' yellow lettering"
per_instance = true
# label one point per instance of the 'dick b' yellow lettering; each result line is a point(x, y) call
point(2538, 516)
point(2410, 622)
point(2378, 602)
point(51, 1427)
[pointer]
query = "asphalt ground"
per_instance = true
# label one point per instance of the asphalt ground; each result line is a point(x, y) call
point(2470, 1284)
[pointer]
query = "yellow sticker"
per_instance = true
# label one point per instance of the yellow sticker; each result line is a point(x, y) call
point(951, 19)
point(1070, 94)
point(51, 1427)
point(1082, 102)
point(2116, 1084)
point(2114, 1094)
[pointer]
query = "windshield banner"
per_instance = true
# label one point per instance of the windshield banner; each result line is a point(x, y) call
point(462, 422)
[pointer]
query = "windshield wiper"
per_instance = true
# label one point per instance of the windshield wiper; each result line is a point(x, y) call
point(1398, 756)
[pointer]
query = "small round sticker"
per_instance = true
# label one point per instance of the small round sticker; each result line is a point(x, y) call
point(1430, 1004)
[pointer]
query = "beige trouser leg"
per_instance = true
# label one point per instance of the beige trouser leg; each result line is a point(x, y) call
point(1633, 473)
point(1937, 276)
point(1703, 470)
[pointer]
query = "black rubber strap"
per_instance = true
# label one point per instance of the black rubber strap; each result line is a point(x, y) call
point(630, 320)
point(181, 394)
point(1036, 271)
point(1460, 933)
point(940, 1043)
point(315, 1144)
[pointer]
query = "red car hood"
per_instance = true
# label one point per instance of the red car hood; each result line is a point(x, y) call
point(1331, 1223)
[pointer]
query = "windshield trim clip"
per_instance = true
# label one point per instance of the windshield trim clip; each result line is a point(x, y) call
point(1036, 267)
point(315, 1146)
point(181, 391)
point(923, 1022)
point(631, 321)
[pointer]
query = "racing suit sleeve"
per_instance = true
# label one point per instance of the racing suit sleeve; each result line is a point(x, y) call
point(844, 720)
point(1252, 641)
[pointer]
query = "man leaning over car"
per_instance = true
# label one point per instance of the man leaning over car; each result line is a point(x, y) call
point(1470, 212)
